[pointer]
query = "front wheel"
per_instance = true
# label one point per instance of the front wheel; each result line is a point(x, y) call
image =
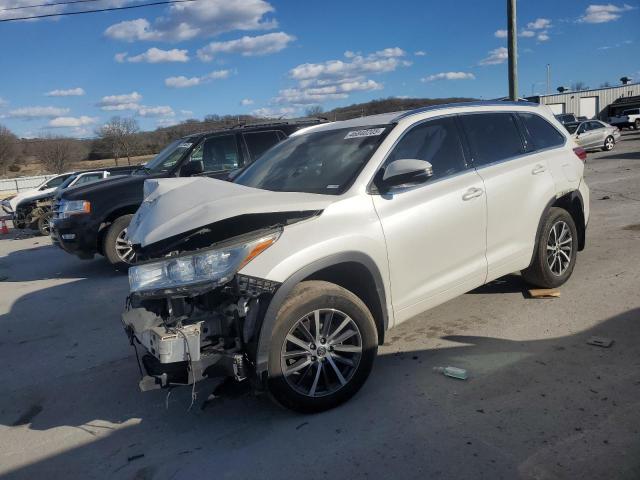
point(609, 143)
point(322, 348)
point(556, 251)
point(116, 247)
point(44, 224)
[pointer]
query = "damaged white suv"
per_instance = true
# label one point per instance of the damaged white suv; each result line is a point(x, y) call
point(291, 275)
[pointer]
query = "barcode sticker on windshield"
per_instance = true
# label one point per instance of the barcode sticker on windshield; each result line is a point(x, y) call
point(369, 132)
point(185, 145)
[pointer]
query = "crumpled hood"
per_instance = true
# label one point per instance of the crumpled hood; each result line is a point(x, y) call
point(176, 205)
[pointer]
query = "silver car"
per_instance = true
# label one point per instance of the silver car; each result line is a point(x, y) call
point(594, 134)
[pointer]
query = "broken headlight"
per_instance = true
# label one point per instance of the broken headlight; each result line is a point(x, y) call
point(207, 267)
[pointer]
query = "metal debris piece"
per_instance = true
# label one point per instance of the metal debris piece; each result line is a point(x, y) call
point(600, 341)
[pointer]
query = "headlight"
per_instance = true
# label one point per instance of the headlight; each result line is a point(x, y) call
point(74, 207)
point(209, 268)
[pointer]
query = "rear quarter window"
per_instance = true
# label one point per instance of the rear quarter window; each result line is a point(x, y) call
point(540, 132)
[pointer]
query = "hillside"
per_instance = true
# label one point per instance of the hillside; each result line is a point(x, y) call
point(94, 153)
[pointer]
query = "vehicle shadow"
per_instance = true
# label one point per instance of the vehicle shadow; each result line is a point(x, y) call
point(621, 156)
point(508, 284)
point(547, 408)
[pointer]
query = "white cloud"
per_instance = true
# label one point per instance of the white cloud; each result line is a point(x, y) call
point(500, 34)
point(184, 82)
point(496, 56)
point(539, 24)
point(154, 55)
point(542, 37)
point(3, 102)
point(167, 122)
point(275, 112)
point(71, 92)
point(246, 101)
point(247, 46)
point(203, 18)
point(449, 76)
point(37, 112)
point(158, 111)
point(120, 102)
point(603, 13)
point(186, 113)
point(386, 60)
point(527, 33)
point(337, 79)
point(420, 53)
point(72, 122)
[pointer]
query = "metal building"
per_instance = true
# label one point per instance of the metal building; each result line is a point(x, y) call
point(601, 103)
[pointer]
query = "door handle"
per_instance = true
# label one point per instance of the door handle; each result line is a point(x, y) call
point(472, 193)
point(538, 169)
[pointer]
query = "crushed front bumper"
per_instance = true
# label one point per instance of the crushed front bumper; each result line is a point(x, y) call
point(179, 355)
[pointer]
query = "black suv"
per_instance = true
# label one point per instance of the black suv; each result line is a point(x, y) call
point(94, 218)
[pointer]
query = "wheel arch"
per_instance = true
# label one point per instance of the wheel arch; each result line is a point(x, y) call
point(108, 220)
point(354, 271)
point(573, 203)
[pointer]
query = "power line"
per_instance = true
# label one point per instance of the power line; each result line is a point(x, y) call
point(164, 2)
point(52, 4)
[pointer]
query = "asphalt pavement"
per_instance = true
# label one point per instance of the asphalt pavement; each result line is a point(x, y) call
point(540, 402)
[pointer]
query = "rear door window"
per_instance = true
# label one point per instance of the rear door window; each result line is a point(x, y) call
point(540, 132)
point(595, 126)
point(84, 179)
point(260, 142)
point(492, 137)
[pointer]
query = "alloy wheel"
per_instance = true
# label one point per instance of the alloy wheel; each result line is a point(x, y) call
point(608, 143)
point(123, 249)
point(559, 248)
point(321, 352)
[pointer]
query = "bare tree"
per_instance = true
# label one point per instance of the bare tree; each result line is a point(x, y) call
point(8, 148)
point(58, 153)
point(120, 135)
point(579, 85)
point(605, 85)
point(314, 111)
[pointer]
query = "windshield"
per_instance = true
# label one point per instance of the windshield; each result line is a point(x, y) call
point(323, 162)
point(168, 157)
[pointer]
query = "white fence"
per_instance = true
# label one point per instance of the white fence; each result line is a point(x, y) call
point(14, 185)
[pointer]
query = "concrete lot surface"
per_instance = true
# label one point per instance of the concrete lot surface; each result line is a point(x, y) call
point(539, 404)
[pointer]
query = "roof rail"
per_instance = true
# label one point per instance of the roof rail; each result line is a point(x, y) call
point(478, 103)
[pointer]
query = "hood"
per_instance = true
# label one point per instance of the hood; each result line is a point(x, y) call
point(178, 205)
point(79, 192)
point(28, 195)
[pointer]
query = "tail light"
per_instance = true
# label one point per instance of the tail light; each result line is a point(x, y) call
point(581, 153)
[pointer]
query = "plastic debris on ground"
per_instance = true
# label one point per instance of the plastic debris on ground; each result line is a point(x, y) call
point(453, 372)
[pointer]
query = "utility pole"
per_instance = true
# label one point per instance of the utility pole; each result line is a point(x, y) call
point(548, 78)
point(513, 49)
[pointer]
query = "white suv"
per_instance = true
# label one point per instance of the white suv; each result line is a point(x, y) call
point(291, 275)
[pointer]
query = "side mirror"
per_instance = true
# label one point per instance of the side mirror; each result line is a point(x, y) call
point(404, 171)
point(194, 167)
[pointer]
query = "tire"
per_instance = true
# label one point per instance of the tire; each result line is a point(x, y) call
point(552, 270)
point(636, 124)
point(327, 380)
point(44, 224)
point(115, 253)
point(609, 143)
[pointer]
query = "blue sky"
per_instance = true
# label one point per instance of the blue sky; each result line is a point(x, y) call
point(164, 64)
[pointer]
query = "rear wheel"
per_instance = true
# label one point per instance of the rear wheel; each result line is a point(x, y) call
point(556, 251)
point(323, 347)
point(116, 247)
point(609, 143)
point(636, 124)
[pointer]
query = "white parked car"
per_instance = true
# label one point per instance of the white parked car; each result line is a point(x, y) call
point(9, 205)
point(291, 275)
